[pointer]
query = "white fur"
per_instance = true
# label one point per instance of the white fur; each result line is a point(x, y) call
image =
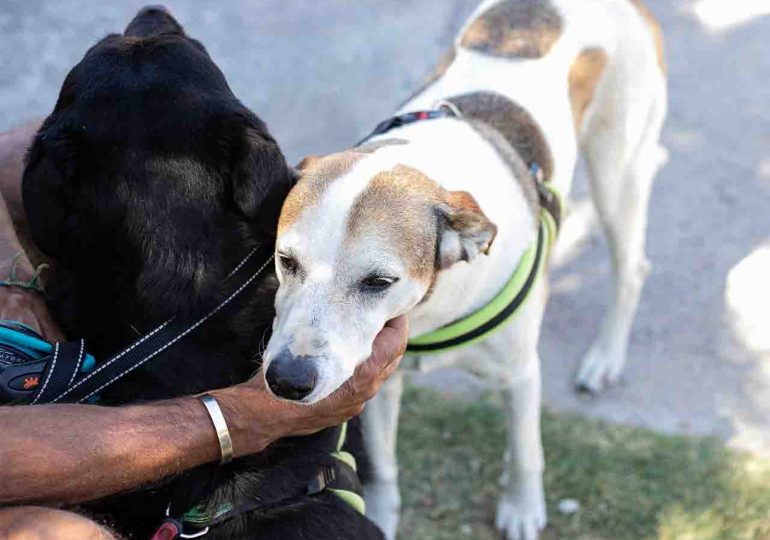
point(619, 134)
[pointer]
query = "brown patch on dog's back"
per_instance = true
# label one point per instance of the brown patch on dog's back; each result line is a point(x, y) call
point(513, 122)
point(584, 76)
point(398, 205)
point(317, 173)
point(515, 29)
point(656, 30)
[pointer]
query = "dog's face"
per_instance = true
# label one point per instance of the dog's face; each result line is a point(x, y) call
point(150, 178)
point(361, 239)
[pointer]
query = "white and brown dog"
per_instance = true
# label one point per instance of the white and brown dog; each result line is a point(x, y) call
point(396, 225)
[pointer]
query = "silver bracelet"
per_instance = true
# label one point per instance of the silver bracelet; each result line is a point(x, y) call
point(223, 434)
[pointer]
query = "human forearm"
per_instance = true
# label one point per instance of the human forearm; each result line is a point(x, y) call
point(63, 454)
point(60, 454)
point(13, 147)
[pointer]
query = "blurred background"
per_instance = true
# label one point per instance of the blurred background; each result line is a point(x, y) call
point(323, 73)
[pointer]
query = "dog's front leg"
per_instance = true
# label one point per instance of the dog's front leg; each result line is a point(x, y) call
point(380, 421)
point(521, 511)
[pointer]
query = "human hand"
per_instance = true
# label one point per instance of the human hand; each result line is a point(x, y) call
point(256, 418)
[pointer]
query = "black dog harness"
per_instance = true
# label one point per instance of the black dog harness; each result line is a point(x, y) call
point(67, 375)
point(502, 308)
point(338, 477)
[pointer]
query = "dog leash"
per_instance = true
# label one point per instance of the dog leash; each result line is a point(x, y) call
point(68, 374)
point(514, 294)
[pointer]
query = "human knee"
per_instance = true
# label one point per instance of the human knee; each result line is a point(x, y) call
point(38, 523)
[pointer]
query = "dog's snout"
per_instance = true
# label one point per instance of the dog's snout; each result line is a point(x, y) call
point(151, 21)
point(292, 377)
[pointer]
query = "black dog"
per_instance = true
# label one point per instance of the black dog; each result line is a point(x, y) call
point(147, 184)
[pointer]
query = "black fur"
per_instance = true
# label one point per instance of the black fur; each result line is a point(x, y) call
point(145, 186)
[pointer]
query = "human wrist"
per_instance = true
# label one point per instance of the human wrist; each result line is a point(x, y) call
point(220, 427)
point(251, 420)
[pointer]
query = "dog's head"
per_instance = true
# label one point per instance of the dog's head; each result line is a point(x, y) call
point(150, 180)
point(361, 239)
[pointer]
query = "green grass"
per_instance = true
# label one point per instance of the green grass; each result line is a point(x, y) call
point(631, 483)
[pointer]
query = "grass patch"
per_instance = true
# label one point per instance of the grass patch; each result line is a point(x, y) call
point(631, 483)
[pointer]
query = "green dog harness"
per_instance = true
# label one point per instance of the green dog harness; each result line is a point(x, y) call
point(514, 294)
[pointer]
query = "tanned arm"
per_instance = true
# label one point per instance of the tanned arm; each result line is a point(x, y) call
point(64, 454)
point(16, 303)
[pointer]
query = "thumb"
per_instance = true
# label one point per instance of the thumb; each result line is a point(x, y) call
point(389, 345)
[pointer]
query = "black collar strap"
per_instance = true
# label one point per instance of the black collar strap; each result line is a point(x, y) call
point(409, 118)
point(64, 383)
point(548, 199)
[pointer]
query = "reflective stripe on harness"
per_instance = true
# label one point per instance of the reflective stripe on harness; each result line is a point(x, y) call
point(66, 380)
point(511, 298)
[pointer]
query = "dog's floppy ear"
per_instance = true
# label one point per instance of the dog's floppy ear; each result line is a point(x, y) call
point(306, 162)
point(262, 179)
point(464, 230)
point(49, 168)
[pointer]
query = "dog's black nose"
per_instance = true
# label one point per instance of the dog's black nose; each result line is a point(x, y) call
point(153, 21)
point(292, 377)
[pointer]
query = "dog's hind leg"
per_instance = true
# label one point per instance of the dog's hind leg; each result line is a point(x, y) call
point(380, 424)
point(623, 155)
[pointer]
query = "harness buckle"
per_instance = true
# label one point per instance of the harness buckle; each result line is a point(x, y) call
point(325, 476)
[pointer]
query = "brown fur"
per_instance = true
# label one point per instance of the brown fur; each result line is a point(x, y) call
point(399, 205)
point(513, 122)
point(515, 29)
point(584, 76)
point(655, 30)
point(317, 174)
point(465, 214)
point(409, 209)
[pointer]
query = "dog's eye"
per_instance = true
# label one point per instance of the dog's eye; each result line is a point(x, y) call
point(377, 283)
point(289, 265)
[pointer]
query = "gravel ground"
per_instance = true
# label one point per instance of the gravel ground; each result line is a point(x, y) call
point(323, 73)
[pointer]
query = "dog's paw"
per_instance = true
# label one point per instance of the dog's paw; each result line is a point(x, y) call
point(520, 521)
point(383, 506)
point(600, 368)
